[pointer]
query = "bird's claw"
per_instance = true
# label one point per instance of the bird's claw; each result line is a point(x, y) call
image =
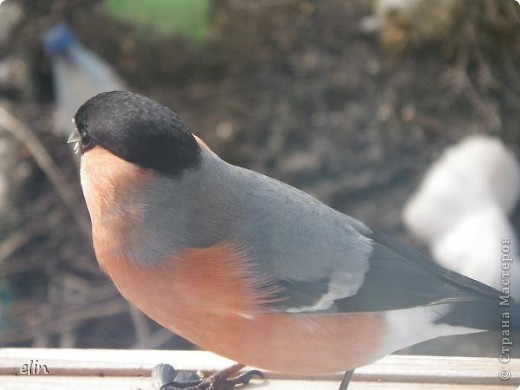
point(170, 380)
point(245, 378)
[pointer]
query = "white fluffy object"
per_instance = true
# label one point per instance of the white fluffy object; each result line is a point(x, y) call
point(468, 176)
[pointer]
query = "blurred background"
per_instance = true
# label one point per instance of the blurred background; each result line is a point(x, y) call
point(349, 101)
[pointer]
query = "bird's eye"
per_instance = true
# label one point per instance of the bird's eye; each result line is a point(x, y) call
point(86, 142)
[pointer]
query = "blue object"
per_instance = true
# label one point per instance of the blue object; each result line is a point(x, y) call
point(78, 74)
point(58, 39)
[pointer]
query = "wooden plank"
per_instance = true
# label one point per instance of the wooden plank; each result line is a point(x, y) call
point(76, 383)
point(134, 363)
point(144, 383)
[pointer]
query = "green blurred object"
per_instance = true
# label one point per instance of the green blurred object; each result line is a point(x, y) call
point(187, 17)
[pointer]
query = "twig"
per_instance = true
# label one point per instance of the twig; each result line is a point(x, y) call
point(46, 163)
point(68, 339)
point(13, 243)
point(142, 332)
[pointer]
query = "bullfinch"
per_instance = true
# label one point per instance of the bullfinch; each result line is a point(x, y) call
point(249, 267)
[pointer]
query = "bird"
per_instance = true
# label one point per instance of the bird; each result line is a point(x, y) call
point(251, 268)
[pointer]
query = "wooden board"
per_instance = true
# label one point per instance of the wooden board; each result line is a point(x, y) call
point(130, 369)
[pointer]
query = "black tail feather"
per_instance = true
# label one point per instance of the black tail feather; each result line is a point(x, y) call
point(502, 314)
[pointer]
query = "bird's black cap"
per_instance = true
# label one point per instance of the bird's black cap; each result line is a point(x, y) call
point(138, 130)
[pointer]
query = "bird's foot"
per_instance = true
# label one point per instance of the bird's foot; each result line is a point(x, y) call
point(165, 378)
point(346, 380)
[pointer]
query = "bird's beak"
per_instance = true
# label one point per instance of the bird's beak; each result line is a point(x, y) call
point(75, 139)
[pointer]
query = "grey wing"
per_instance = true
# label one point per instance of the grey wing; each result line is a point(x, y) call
point(299, 243)
point(397, 278)
point(322, 260)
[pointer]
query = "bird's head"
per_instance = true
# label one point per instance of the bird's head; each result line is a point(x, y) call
point(136, 129)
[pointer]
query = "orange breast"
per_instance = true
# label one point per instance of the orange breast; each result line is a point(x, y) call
point(210, 297)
